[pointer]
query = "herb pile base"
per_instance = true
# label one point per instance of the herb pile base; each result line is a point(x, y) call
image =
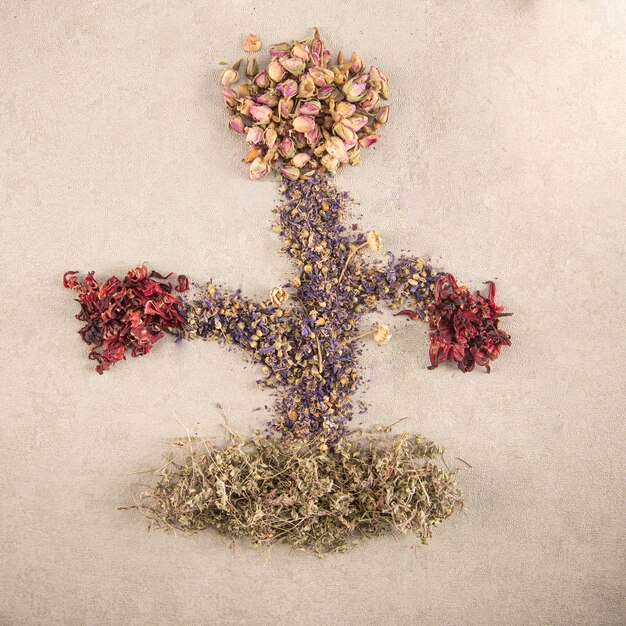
point(300, 493)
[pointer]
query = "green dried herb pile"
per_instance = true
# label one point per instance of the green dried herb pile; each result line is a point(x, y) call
point(316, 499)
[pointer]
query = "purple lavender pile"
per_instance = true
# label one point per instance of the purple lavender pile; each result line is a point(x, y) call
point(304, 335)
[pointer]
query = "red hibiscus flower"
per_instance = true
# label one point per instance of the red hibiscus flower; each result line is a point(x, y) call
point(130, 314)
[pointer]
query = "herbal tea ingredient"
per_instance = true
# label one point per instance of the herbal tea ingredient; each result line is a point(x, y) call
point(311, 497)
point(126, 314)
point(300, 113)
point(308, 345)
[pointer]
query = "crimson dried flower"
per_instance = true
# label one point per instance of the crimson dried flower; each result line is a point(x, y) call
point(464, 328)
point(129, 314)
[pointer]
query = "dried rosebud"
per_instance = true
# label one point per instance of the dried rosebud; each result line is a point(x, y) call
point(285, 106)
point(356, 65)
point(278, 296)
point(230, 98)
point(321, 76)
point(301, 52)
point(381, 334)
point(370, 100)
point(276, 71)
point(254, 137)
point(313, 137)
point(293, 65)
point(311, 108)
point(286, 148)
point(317, 49)
point(345, 109)
point(357, 122)
point(344, 130)
point(301, 159)
point(262, 80)
point(303, 124)
point(258, 169)
point(252, 43)
point(307, 87)
point(244, 106)
point(237, 124)
point(355, 156)
point(261, 113)
point(280, 49)
point(255, 151)
point(374, 241)
point(378, 81)
point(290, 172)
point(337, 148)
point(288, 88)
point(229, 76)
point(369, 140)
point(339, 77)
point(252, 67)
point(325, 92)
point(270, 137)
point(271, 155)
point(354, 89)
point(382, 115)
point(330, 163)
point(270, 99)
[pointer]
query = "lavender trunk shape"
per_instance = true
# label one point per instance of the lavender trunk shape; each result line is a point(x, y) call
point(309, 350)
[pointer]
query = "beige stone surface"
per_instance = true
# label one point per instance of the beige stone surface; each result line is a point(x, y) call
point(504, 158)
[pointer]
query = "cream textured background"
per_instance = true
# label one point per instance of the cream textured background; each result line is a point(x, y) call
point(504, 158)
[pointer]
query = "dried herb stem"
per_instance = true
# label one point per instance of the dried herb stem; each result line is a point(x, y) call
point(304, 494)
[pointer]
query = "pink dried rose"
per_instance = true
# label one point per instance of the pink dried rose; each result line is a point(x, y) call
point(133, 313)
point(304, 104)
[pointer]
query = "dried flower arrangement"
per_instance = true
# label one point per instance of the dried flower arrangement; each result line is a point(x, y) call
point(305, 120)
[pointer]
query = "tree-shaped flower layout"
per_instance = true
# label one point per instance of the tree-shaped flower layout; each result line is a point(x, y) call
point(315, 485)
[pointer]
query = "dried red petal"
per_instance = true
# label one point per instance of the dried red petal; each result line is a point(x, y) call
point(130, 314)
point(414, 315)
point(183, 283)
point(464, 328)
point(69, 283)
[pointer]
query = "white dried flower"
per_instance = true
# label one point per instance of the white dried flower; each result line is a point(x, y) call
point(278, 296)
point(381, 335)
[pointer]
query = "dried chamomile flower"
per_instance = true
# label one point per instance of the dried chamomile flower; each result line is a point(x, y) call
point(374, 241)
point(381, 334)
point(278, 296)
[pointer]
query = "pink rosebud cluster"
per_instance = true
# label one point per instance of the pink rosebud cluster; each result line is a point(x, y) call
point(301, 114)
